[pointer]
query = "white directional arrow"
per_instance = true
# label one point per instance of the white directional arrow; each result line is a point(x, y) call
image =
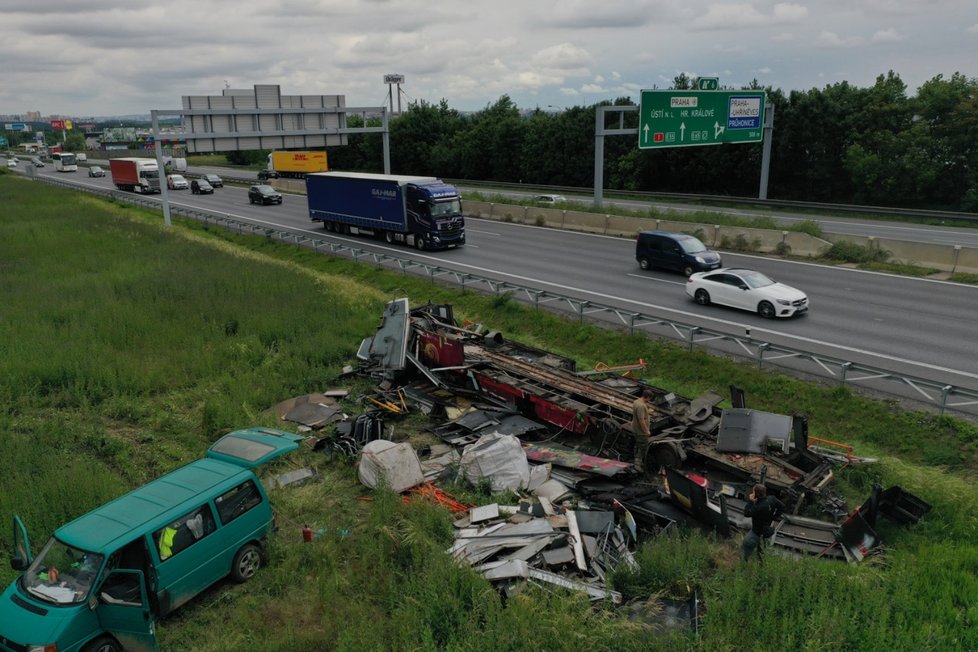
point(646, 134)
point(682, 131)
point(717, 130)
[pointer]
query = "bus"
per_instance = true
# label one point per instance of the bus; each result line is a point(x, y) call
point(64, 162)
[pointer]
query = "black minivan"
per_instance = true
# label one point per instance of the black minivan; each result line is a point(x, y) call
point(674, 251)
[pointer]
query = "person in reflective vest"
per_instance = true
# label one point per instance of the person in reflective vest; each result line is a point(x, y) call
point(166, 541)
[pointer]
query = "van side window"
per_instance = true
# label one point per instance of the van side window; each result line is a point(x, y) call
point(184, 532)
point(236, 502)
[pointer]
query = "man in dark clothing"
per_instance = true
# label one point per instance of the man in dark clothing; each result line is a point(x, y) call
point(763, 510)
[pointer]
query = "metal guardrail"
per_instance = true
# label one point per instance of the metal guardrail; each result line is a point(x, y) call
point(935, 393)
point(883, 211)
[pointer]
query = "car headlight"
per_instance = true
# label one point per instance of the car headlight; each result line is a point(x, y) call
point(784, 302)
point(700, 260)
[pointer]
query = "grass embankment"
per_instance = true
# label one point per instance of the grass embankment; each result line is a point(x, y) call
point(127, 348)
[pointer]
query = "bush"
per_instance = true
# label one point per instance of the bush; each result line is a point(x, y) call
point(850, 252)
point(811, 227)
point(740, 243)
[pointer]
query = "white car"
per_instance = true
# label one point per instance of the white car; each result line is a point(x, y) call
point(12, 162)
point(748, 290)
point(549, 199)
point(176, 182)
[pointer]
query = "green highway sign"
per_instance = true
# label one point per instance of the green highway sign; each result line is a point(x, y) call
point(708, 83)
point(690, 118)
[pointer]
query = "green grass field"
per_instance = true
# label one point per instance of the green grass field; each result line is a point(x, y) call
point(126, 348)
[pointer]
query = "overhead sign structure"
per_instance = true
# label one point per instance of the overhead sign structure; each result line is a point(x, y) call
point(692, 118)
point(15, 126)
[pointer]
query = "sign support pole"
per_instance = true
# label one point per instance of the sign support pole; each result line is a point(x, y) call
point(164, 191)
point(766, 149)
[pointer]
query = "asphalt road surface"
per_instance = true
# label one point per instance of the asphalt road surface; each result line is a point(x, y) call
point(914, 326)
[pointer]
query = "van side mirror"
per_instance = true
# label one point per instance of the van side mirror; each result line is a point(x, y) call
point(18, 563)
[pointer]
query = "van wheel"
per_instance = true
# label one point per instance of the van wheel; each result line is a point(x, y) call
point(688, 270)
point(104, 644)
point(766, 310)
point(644, 263)
point(702, 297)
point(246, 563)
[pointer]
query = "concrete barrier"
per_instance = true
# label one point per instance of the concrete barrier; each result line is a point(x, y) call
point(946, 258)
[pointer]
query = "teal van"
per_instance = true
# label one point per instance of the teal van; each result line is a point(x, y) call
point(102, 580)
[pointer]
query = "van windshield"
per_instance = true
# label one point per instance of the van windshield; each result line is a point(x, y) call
point(62, 574)
point(692, 245)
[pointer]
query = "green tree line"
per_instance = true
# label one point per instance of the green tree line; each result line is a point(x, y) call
point(843, 144)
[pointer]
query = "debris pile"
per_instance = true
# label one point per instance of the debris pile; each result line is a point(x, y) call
point(526, 421)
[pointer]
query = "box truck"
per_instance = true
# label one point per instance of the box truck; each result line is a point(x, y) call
point(423, 211)
point(294, 164)
point(137, 174)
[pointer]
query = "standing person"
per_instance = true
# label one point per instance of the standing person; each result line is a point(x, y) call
point(763, 510)
point(640, 428)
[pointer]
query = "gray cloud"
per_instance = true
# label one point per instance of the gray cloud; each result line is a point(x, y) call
point(109, 56)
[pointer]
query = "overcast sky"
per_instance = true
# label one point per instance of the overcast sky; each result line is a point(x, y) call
point(108, 57)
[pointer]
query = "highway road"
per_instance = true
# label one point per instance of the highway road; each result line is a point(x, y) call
point(913, 326)
point(946, 234)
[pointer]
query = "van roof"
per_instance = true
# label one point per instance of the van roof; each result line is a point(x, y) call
point(671, 234)
point(151, 506)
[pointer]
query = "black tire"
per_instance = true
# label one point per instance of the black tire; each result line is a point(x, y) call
point(246, 563)
point(702, 297)
point(103, 644)
point(766, 310)
point(644, 263)
point(665, 455)
point(419, 243)
point(388, 237)
point(688, 270)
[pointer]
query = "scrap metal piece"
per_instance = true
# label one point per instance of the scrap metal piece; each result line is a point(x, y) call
point(388, 347)
point(568, 457)
point(595, 592)
point(484, 513)
point(293, 478)
point(701, 407)
point(753, 431)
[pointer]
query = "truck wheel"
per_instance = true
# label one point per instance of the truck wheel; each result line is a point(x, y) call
point(388, 237)
point(666, 454)
point(104, 644)
point(246, 563)
point(419, 243)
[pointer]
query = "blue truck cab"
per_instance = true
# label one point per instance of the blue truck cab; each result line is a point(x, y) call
point(102, 580)
point(423, 211)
